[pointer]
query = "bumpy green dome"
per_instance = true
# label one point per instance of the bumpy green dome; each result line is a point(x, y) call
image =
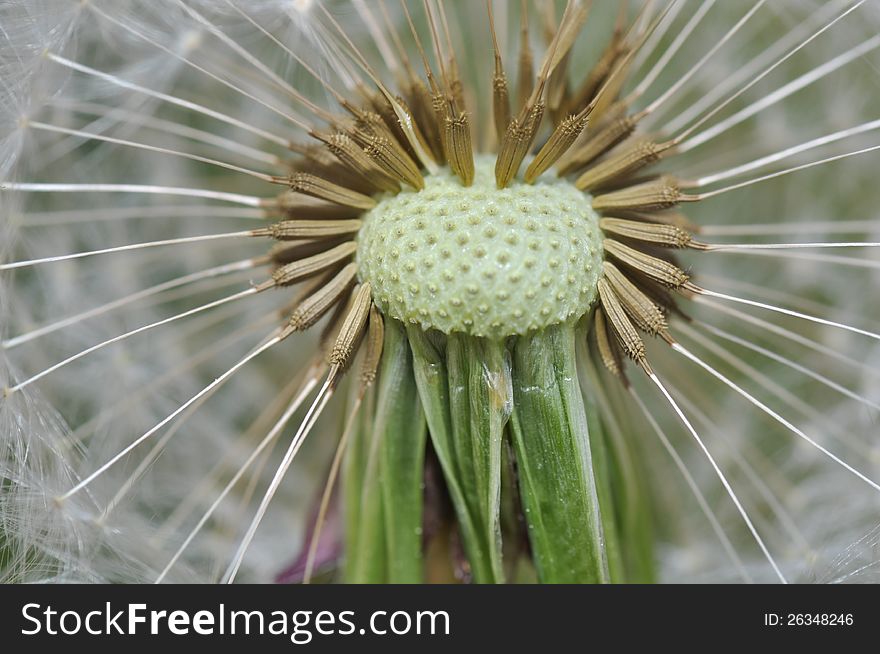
point(481, 260)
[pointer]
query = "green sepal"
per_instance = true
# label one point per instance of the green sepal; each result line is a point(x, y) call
point(628, 481)
point(554, 460)
point(464, 384)
point(387, 460)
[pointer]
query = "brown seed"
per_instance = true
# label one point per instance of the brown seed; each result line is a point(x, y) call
point(505, 167)
point(516, 144)
point(614, 51)
point(608, 349)
point(388, 155)
point(500, 91)
point(303, 206)
point(305, 290)
point(629, 339)
point(334, 323)
point(375, 341)
point(370, 123)
point(423, 116)
point(525, 63)
point(285, 252)
point(460, 153)
point(316, 305)
point(558, 90)
point(669, 236)
point(641, 309)
point(657, 269)
point(554, 69)
point(352, 155)
point(500, 105)
point(313, 153)
point(603, 140)
point(565, 134)
point(630, 159)
point(294, 230)
point(655, 195)
point(393, 128)
point(440, 107)
point(401, 127)
point(352, 329)
point(315, 186)
point(675, 218)
point(296, 270)
point(416, 143)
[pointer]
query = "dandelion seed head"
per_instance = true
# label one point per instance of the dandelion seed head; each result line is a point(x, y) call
point(465, 264)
